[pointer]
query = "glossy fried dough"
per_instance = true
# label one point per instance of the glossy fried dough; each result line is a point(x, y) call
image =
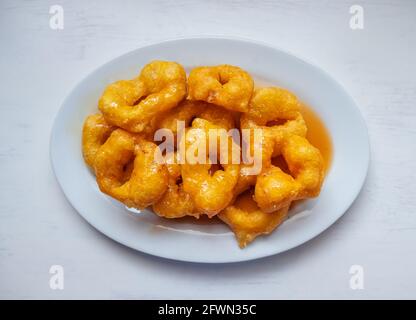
point(276, 189)
point(216, 121)
point(227, 86)
point(188, 110)
point(133, 104)
point(248, 221)
point(94, 133)
point(211, 192)
point(148, 179)
point(175, 203)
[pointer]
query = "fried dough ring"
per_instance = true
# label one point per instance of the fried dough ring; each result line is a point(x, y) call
point(247, 221)
point(94, 133)
point(134, 104)
point(275, 189)
point(224, 85)
point(116, 145)
point(148, 180)
point(272, 103)
point(306, 165)
point(210, 193)
point(175, 202)
point(276, 112)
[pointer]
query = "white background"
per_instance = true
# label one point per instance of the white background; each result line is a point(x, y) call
point(39, 228)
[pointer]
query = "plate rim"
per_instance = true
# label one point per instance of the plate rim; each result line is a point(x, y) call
point(235, 259)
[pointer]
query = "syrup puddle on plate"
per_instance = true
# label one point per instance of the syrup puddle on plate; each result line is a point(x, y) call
point(318, 135)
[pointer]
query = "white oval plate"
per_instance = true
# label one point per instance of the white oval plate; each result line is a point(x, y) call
point(214, 243)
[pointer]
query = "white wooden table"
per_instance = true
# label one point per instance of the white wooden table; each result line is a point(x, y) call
point(39, 228)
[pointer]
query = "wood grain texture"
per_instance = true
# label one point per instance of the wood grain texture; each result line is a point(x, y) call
point(38, 227)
